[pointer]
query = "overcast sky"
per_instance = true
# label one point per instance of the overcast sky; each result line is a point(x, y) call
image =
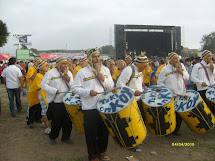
point(60, 24)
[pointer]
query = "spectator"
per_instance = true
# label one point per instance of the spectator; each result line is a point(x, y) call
point(14, 84)
point(189, 68)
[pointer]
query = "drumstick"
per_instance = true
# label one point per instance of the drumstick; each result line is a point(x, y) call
point(157, 90)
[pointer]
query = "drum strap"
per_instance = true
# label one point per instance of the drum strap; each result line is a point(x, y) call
point(132, 75)
point(206, 72)
point(184, 80)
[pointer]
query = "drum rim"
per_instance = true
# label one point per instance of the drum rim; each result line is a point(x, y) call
point(197, 102)
point(69, 90)
point(130, 101)
point(159, 86)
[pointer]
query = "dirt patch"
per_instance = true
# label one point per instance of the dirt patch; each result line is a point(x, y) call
point(19, 143)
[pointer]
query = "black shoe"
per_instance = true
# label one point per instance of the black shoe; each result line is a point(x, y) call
point(135, 149)
point(13, 115)
point(68, 141)
point(53, 142)
point(31, 125)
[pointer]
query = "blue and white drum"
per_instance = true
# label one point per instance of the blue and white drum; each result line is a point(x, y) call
point(72, 103)
point(194, 111)
point(158, 105)
point(122, 117)
point(210, 94)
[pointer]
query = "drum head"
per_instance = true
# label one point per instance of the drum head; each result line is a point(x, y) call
point(154, 97)
point(115, 101)
point(183, 105)
point(210, 93)
point(71, 99)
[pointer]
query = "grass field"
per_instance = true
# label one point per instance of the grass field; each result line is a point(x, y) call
point(20, 143)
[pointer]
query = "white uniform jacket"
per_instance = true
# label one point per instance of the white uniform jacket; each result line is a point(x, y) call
point(198, 75)
point(85, 81)
point(51, 82)
point(173, 81)
point(135, 83)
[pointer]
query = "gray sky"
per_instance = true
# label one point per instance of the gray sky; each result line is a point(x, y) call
point(55, 24)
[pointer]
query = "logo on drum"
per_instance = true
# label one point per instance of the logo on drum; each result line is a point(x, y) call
point(115, 102)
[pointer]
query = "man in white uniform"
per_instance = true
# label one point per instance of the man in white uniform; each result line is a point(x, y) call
point(173, 75)
point(56, 82)
point(203, 75)
point(88, 82)
point(132, 78)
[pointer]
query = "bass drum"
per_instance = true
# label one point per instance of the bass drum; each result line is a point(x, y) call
point(194, 112)
point(159, 111)
point(73, 106)
point(122, 117)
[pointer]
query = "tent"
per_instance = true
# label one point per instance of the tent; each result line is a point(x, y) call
point(4, 57)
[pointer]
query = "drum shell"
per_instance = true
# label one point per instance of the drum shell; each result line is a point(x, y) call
point(166, 122)
point(127, 126)
point(200, 119)
point(76, 115)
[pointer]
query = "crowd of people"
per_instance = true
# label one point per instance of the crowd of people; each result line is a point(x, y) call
point(88, 77)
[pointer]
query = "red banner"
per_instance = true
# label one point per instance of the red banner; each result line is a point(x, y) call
point(48, 56)
point(4, 57)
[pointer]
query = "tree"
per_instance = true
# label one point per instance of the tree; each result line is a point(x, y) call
point(3, 33)
point(107, 50)
point(208, 42)
point(34, 50)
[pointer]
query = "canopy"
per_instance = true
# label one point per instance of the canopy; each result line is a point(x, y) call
point(4, 57)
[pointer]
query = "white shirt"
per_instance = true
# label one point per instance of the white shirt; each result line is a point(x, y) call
point(174, 82)
point(52, 82)
point(198, 75)
point(12, 74)
point(85, 81)
point(135, 83)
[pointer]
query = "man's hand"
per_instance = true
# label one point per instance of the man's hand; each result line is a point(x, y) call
point(100, 77)
point(204, 84)
point(137, 93)
point(179, 70)
point(21, 89)
point(57, 92)
point(93, 93)
point(212, 68)
point(66, 77)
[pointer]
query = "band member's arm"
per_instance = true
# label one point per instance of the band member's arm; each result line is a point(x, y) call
point(45, 84)
point(77, 86)
point(108, 82)
point(185, 73)
point(194, 75)
point(124, 77)
point(162, 78)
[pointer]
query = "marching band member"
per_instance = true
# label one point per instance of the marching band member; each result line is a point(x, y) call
point(128, 60)
point(88, 83)
point(56, 82)
point(111, 66)
point(30, 76)
point(132, 78)
point(173, 75)
point(32, 71)
point(82, 63)
point(120, 66)
point(203, 75)
point(70, 65)
point(36, 97)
